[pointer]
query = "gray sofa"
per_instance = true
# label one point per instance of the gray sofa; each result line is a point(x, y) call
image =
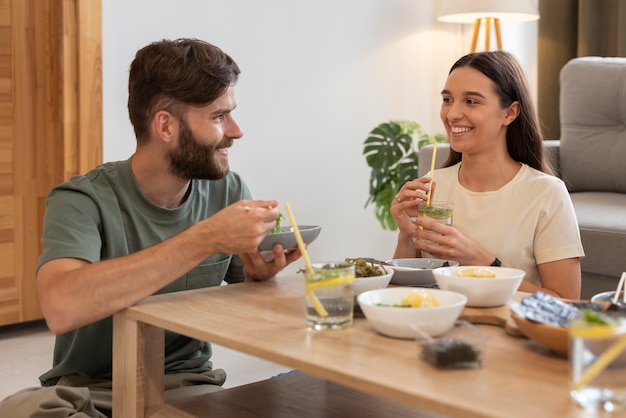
point(590, 157)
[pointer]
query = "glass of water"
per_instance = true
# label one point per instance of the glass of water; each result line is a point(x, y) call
point(330, 295)
point(598, 362)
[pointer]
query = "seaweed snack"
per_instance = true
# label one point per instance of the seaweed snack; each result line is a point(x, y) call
point(547, 309)
point(451, 354)
point(459, 348)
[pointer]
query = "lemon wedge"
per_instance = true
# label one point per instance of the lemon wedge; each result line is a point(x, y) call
point(598, 331)
point(420, 299)
point(593, 324)
point(481, 272)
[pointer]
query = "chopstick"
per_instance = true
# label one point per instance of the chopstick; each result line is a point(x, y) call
point(620, 285)
point(432, 169)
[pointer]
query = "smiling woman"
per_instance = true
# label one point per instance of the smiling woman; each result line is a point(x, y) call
point(495, 172)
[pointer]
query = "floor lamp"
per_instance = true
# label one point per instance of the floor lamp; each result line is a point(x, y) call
point(492, 11)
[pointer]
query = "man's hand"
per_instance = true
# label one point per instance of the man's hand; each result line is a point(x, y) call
point(259, 266)
point(240, 227)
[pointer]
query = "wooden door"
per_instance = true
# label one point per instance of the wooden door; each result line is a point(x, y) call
point(50, 127)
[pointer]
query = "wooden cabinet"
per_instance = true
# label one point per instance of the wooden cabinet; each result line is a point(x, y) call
point(50, 127)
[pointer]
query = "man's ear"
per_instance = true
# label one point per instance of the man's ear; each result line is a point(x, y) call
point(165, 125)
point(511, 113)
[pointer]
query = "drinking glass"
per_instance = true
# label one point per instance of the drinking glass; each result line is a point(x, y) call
point(440, 212)
point(330, 295)
point(598, 365)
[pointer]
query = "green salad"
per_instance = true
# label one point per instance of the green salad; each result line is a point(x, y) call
point(277, 227)
point(364, 269)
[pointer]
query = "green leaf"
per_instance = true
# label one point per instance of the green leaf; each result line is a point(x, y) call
point(390, 151)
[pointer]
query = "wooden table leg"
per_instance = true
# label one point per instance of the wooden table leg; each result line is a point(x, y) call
point(138, 358)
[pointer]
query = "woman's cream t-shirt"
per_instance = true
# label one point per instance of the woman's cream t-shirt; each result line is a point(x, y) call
point(529, 221)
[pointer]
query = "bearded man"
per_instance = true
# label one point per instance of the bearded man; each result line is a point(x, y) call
point(172, 217)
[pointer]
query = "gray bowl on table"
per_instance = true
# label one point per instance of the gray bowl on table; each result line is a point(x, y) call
point(416, 271)
point(608, 297)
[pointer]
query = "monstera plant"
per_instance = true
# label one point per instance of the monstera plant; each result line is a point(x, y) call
point(391, 152)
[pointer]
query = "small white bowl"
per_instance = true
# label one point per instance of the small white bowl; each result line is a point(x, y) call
point(481, 292)
point(363, 284)
point(416, 271)
point(394, 321)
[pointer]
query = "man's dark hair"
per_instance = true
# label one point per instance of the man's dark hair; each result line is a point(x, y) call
point(172, 74)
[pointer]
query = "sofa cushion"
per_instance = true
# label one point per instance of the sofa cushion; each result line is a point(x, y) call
point(593, 124)
point(602, 222)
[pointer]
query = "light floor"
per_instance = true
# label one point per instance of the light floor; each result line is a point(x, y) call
point(26, 353)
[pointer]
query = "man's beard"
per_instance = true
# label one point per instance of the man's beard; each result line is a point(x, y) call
point(195, 160)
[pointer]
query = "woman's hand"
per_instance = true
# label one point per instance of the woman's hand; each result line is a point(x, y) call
point(404, 205)
point(404, 208)
point(448, 243)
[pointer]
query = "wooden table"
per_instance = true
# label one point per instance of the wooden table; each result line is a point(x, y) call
point(267, 320)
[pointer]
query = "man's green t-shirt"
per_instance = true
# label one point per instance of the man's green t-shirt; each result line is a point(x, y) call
point(103, 215)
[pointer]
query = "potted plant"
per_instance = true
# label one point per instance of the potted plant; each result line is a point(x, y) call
point(391, 150)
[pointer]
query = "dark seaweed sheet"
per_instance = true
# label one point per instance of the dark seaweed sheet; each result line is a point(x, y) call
point(550, 310)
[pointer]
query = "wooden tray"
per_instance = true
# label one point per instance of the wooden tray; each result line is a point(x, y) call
point(499, 316)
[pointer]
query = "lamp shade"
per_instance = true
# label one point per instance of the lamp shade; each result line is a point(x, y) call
point(467, 11)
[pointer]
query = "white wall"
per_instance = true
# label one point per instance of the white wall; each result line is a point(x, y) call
point(317, 76)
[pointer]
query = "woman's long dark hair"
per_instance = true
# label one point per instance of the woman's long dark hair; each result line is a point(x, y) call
point(524, 140)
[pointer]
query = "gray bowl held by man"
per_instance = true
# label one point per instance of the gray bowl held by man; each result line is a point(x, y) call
point(416, 271)
point(287, 238)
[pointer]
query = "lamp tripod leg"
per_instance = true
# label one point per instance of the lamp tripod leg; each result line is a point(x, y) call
point(487, 33)
point(498, 36)
point(475, 36)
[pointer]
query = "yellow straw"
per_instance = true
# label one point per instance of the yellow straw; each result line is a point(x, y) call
point(605, 359)
point(432, 169)
point(309, 268)
point(296, 232)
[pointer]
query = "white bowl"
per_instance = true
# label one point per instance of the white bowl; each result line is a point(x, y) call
point(416, 271)
point(363, 284)
point(394, 321)
point(481, 292)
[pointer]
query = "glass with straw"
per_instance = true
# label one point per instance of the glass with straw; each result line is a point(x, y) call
point(441, 211)
point(329, 288)
point(435, 211)
point(598, 361)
